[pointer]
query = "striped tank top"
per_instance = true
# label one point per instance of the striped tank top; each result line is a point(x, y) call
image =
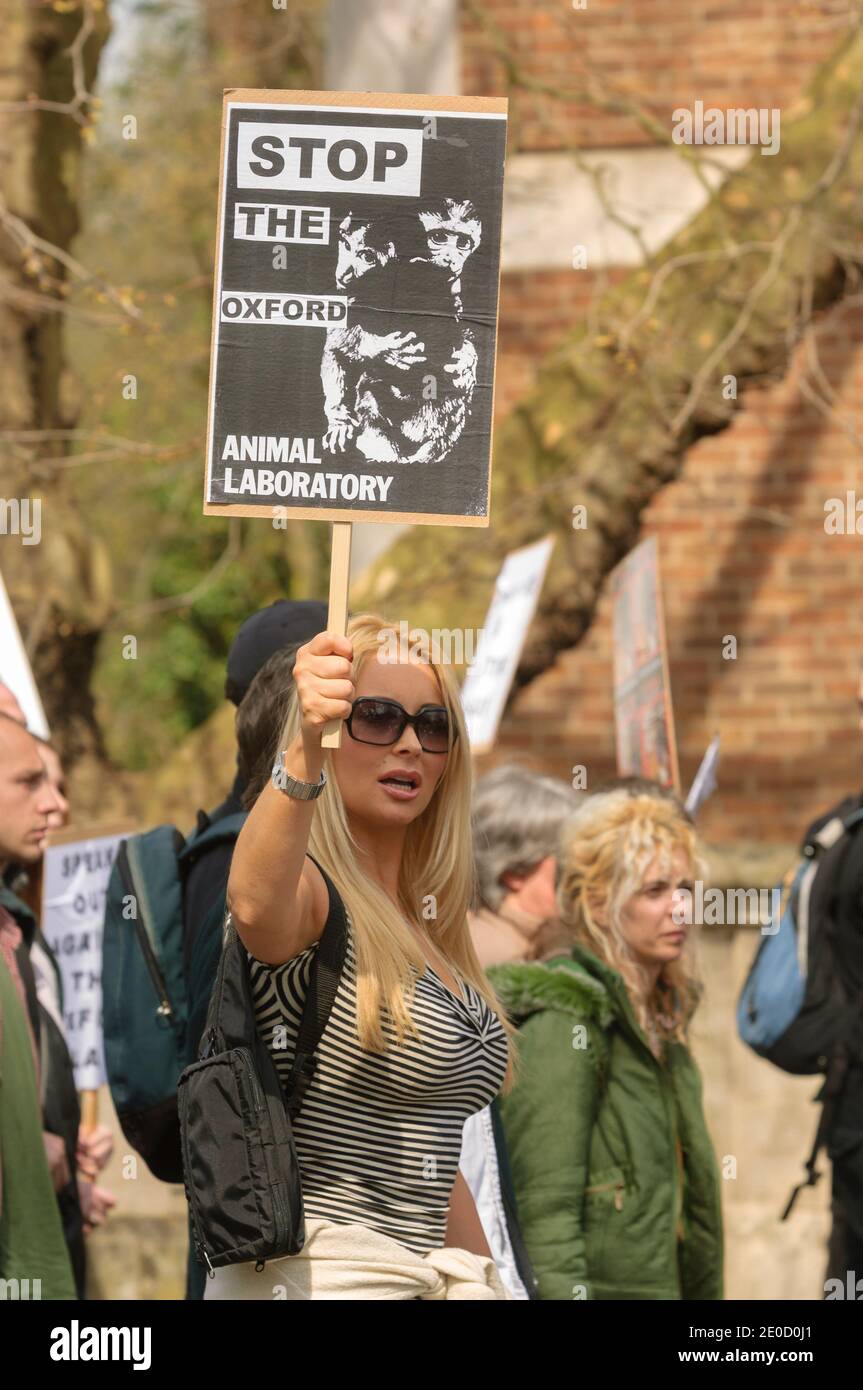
point(378, 1137)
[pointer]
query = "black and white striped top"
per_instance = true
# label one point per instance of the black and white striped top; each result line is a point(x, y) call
point(379, 1135)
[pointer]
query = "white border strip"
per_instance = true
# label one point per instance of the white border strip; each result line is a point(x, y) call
point(217, 311)
point(302, 106)
point(371, 110)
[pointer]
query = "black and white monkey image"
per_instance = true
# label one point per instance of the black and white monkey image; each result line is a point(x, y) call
point(377, 386)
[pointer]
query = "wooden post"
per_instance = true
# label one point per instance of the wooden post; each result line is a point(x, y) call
point(89, 1120)
point(337, 618)
point(89, 1110)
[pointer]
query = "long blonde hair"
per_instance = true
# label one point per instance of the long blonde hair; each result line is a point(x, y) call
point(437, 872)
point(608, 846)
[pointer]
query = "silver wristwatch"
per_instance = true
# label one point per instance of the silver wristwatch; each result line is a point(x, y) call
point(291, 786)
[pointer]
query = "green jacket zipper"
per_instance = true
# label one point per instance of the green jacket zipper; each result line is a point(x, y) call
point(617, 1187)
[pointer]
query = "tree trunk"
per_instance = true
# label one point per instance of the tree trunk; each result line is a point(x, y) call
point(54, 585)
point(613, 413)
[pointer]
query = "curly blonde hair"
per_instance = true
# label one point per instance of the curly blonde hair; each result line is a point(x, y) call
point(609, 845)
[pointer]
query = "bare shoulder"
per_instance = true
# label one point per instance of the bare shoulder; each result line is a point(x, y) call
point(292, 937)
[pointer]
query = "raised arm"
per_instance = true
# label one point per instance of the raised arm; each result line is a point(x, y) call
point(277, 897)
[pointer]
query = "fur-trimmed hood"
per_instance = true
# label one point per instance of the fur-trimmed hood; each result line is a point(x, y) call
point(564, 984)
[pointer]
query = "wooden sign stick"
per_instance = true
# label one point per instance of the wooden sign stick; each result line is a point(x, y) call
point(89, 1118)
point(337, 618)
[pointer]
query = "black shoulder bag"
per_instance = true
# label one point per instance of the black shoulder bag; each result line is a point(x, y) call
point(240, 1165)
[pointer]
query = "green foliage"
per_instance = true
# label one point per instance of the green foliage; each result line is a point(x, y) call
point(148, 227)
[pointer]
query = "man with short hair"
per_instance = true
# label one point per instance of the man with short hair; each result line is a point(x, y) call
point(32, 1244)
point(518, 817)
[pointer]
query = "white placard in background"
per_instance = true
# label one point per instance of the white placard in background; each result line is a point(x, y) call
point(15, 669)
point(73, 908)
point(509, 616)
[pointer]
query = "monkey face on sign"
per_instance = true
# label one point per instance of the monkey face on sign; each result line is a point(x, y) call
point(404, 395)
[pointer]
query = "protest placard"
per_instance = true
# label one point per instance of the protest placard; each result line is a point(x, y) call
point(704, 782)
point(513, 604)
point(15, 669)
point(75, 879)
point(643, 714)
point(355, 306)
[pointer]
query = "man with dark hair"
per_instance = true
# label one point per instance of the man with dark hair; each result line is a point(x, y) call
point(260, 717)
point(283, 624)
point(35, 1165)
point(259, 676)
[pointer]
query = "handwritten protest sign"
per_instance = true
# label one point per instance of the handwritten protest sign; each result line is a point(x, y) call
point(513, 604)
point(75, 879)
point(355, 306)
point(643, 715)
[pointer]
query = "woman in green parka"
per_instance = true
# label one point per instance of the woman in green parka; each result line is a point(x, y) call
point(615, 1177)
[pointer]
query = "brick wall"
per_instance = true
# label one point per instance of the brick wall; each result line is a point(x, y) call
point(661, 53)
point(744, 552)
point(742, 541)
point(537, 309)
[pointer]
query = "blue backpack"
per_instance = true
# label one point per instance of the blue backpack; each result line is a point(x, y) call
point(144, 990)
point(794, 1009)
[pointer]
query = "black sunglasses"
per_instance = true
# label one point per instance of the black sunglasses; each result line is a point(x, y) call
point(384, 721)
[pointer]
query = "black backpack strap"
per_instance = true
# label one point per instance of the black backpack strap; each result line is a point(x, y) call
point(323, 983)
point(830, 833)
point(831, 1091)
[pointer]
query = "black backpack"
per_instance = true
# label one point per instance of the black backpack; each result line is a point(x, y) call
point(825, 1035)
point(241, 1173)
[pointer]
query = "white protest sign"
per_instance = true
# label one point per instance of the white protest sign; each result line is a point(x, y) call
point(704, 783)
point(74, 883)
point(509, 616)
point(15, 669)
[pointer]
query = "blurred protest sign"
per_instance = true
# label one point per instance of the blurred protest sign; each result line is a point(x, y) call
point(704, 782)
point(355, 312)
point(75, 879)
point(643, 714)
point(15, 669)
point(513, 604)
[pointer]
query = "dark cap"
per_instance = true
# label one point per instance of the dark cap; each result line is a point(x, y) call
point(285, 623)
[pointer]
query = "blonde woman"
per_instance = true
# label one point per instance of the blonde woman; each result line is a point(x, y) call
point(613, 1169)
point(416, 1040)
